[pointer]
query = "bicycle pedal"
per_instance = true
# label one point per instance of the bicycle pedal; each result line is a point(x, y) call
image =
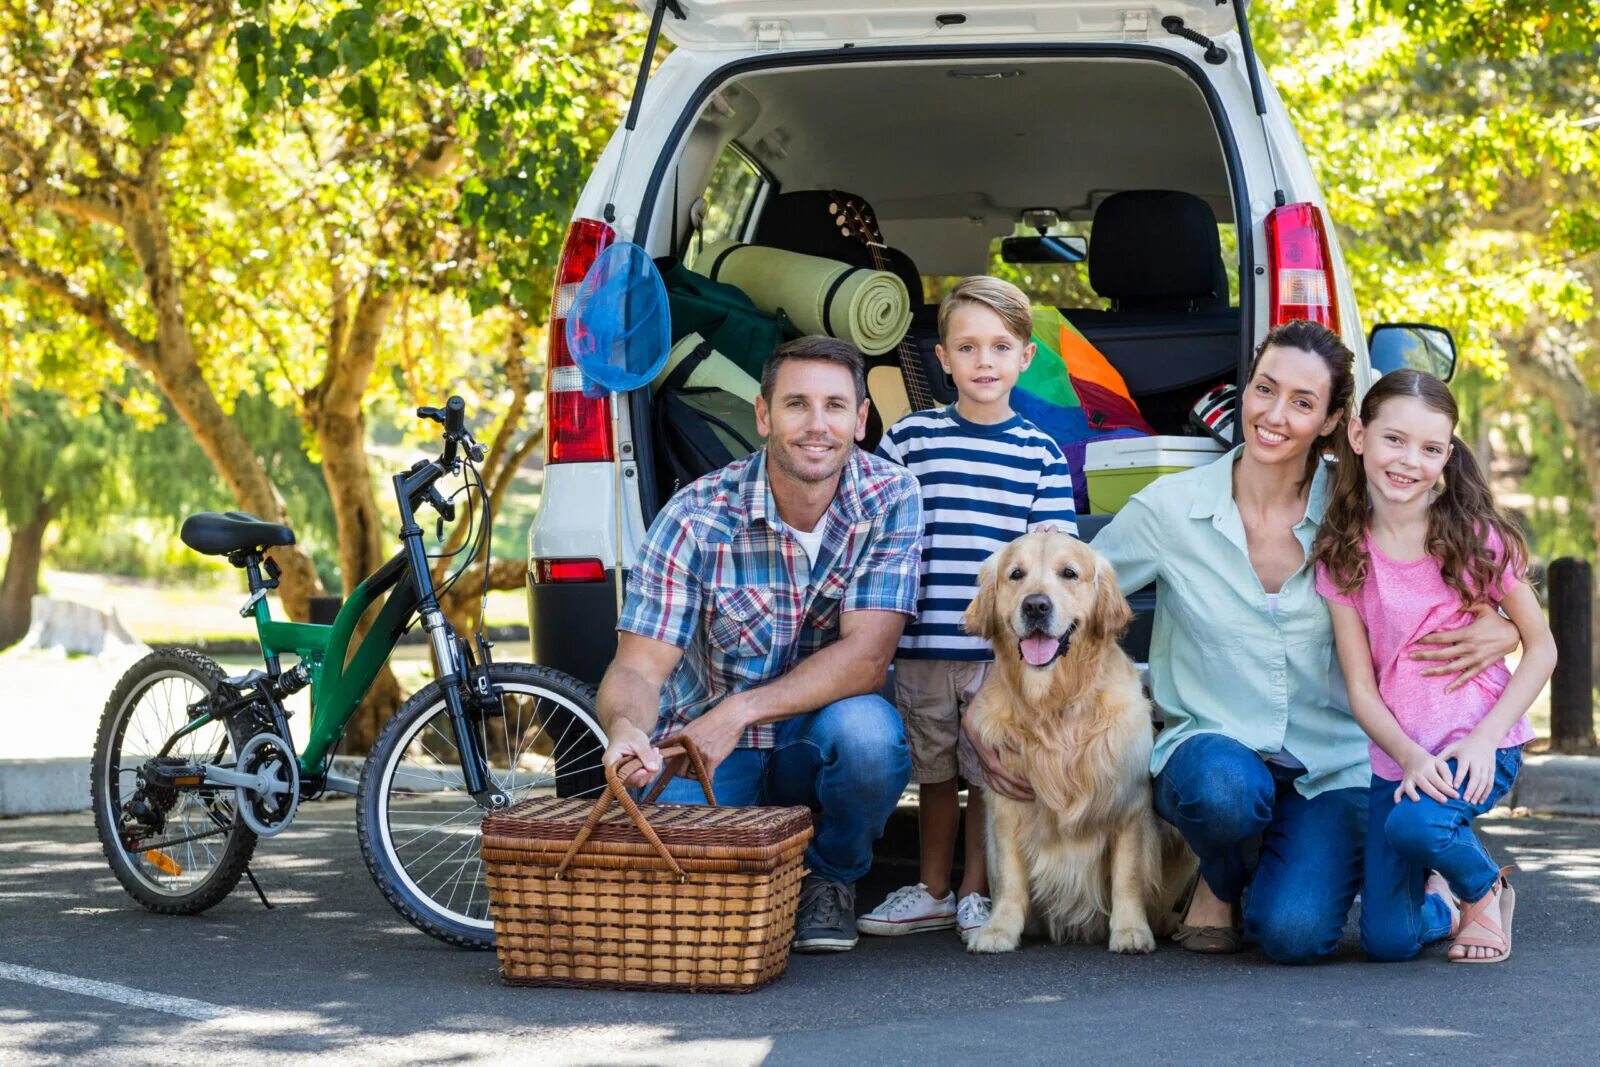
point(173, 772)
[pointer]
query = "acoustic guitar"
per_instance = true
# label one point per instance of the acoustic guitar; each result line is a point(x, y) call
point(894, 394)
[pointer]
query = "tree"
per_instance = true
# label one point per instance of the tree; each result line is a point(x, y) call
point(56, 467)
point(370, 161)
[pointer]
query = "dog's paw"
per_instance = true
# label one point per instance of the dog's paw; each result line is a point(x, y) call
point(992, 938)
point(1132, 939)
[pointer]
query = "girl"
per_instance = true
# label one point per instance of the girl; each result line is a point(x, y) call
point(1413, 542)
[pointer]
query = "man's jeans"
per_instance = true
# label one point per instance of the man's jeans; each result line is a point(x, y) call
point(847, 762)
point(1222, 797)
point(1407, 840)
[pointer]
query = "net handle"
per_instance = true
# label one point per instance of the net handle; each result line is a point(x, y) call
point(616, 791)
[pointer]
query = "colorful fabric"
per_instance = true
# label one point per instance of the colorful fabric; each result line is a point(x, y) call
point(1399, 603)
point(982, 488)
point(1047, 377)
point(723, 578)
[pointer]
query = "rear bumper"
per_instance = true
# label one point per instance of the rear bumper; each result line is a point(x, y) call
point(572, 626)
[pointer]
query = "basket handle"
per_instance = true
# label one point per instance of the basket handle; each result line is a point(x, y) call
point(616, 791)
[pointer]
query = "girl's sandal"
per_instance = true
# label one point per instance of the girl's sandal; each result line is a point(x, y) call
point(1477, 930)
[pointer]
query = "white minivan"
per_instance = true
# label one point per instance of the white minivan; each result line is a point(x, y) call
point(1142, 132)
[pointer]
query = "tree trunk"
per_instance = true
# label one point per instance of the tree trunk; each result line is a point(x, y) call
point(173, 364)
point(21, 580)
point(337, 418)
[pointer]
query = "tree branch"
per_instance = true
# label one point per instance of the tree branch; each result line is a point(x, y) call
point(94, 309)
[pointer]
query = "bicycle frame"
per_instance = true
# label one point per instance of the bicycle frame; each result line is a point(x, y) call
point(339, 681)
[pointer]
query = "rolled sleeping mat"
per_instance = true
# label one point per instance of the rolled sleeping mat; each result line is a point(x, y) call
point(711, 370)
point(869, 308)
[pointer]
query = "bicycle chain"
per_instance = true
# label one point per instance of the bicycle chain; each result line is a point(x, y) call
point(143, 848)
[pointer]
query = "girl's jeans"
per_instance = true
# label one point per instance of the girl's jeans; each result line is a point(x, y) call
point(1223, 798)
point(1407, 840)
point(847, 762)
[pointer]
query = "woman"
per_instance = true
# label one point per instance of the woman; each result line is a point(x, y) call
point(1259, 744)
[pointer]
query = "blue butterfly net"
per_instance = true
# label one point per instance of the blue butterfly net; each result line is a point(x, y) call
point(618, 331)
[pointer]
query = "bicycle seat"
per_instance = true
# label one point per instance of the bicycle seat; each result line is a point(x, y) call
point(212, 534)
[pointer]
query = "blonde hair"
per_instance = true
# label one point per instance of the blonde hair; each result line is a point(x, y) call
point(1001, 297)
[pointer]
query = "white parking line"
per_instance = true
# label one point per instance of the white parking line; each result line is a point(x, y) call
point(198, 1010)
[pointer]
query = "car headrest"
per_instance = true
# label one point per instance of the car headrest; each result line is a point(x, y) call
point(1156, 250)
point(808, 221)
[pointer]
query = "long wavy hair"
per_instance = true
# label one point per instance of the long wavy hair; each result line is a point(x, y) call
point(1460, 518)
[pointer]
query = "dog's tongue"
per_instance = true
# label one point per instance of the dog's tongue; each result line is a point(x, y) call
point(1039, 649)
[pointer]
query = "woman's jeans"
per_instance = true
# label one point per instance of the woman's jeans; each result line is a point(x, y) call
point(1407, 840)
point(1223, 797)
point(848, 762)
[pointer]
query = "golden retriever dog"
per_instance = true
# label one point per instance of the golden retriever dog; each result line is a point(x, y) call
point(1088, 859)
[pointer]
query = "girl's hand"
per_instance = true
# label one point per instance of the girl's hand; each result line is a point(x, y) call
point(1427, 772)
point(1474, 758)
point(1467, 651)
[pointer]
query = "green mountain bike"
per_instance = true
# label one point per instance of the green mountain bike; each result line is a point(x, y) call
point(192, 767)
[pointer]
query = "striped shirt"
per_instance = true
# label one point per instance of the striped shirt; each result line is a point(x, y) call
point(982, 487)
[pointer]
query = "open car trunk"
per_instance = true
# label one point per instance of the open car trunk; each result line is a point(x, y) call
point(1128, 150)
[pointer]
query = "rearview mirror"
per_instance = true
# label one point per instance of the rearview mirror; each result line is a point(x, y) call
point(1045, 249)
point(1420, 346)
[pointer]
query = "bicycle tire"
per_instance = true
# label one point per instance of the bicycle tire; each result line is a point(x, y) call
point(563, 707)
point(238, 841)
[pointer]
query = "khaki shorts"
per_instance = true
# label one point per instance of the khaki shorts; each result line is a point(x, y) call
point(933, 695)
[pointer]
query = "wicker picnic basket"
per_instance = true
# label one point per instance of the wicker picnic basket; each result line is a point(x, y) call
point(674, 897)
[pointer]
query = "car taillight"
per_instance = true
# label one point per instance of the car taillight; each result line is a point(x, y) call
point(577, 427)
point(547, 571)
point(1301, 269)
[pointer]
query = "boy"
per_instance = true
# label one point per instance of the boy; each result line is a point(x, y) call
point(987, 476)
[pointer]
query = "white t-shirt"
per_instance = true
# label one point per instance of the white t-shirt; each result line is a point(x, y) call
point(811, 541)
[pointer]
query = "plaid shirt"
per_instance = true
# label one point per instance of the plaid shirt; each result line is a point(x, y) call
point(721, 577)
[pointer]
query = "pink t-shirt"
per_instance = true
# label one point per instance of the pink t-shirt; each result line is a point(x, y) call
point(1400, 602)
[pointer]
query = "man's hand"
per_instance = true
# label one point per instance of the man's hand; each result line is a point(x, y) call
point(717, 732)
point(628, 740)
point(996, 777)
point(1467, 651)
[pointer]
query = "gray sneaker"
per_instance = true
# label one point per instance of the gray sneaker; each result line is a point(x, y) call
point(826, 918)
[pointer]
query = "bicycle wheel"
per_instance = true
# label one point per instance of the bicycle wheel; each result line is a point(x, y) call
point(419, 826)
point(176, 851)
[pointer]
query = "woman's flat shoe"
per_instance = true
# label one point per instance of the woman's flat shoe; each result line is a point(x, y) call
point(1212, 940)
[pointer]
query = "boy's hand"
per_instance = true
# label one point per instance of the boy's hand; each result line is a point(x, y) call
point(1427, 772)
point(995, 774)
point(1474, 758)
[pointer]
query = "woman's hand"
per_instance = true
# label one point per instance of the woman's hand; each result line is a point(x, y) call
point(996, 776)
point(1467, 651)
point(1475, 758)
point(1427, 772)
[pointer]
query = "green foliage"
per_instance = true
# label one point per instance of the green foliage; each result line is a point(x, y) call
point(526, 94)
point(1456, 146)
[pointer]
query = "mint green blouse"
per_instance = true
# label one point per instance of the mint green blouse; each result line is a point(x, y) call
point(1221, 661)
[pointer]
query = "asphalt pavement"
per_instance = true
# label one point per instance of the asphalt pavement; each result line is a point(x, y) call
point(333, 975)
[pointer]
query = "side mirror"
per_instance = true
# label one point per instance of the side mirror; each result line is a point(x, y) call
point(1045, 249)
point(1393, 345)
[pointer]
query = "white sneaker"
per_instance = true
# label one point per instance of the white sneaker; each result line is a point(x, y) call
point(972, 912)
point(909, 910)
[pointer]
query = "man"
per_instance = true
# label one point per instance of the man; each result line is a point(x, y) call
point(762, 615)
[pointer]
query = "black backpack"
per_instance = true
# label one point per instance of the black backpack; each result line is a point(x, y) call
point(700, 429)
